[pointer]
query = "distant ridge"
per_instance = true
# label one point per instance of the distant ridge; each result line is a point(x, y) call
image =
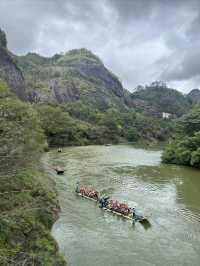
point(194, 96)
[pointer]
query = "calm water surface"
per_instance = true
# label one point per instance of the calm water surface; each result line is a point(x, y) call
point(88, 236)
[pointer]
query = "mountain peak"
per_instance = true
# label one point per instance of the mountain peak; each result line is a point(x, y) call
point(77, 56)
point(83, 52)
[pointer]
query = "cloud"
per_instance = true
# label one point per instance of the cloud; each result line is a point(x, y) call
point(140, 41)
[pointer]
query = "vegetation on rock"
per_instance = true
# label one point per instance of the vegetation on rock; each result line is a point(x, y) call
point(75, 75)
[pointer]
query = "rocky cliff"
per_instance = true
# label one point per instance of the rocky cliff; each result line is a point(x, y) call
point(9, 70)
point(75, 75)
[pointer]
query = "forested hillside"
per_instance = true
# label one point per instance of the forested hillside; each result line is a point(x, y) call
point(157, 98)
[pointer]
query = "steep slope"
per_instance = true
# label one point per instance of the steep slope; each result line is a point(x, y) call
point(75, 75)
point(158, 98)
point(194, 96)
point(9, 70)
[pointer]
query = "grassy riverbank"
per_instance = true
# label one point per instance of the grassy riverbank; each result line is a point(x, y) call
point(28, 209)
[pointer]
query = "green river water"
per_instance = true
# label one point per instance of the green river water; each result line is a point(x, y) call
point(89, 236)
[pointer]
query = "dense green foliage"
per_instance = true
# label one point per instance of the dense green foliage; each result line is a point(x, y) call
point(20, 130)
point(28, 204)
point(60, 128)
point(185, 148)
point(80, 124)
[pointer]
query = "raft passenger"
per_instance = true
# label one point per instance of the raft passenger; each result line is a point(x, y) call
point(77, 187)
point(103, 202)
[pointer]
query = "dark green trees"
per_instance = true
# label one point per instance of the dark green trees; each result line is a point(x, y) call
point(20, 130)
point(185, 148)
point(3, 41)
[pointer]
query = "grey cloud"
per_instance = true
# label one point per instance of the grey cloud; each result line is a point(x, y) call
point(187, 68)
point(182, 63)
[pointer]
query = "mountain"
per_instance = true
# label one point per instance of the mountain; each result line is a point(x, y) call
point(194, 96)
point(80, 76)
point(9, 71)
point(158, 98)
point(75, 75)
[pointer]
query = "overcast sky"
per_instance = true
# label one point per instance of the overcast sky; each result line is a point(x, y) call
point(138, 40)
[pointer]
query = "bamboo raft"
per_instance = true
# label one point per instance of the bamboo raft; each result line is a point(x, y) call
point(59, 170)
point(128, 217)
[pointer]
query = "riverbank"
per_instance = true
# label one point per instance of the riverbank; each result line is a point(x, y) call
point(28, 210)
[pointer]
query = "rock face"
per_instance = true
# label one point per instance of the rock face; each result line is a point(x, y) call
point(9, 71)
point(76, 75)
point(194, 96)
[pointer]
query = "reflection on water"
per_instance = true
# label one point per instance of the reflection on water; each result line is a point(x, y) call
point(90, 236)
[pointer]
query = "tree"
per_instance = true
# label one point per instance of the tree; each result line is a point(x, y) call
point(58, 126)
point(189, 123)
point(185, 148)
point(20, 129)
point(195, 158)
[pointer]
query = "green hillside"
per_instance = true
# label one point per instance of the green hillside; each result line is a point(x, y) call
point(158, 98)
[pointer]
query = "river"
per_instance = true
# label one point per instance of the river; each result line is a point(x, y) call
point(88, 236)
